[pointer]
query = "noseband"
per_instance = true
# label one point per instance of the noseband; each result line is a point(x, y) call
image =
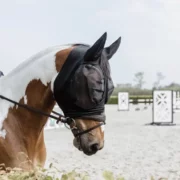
point(66, 120)
point(71, 122)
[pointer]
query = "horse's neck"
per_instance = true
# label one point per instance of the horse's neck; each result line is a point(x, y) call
point(39, 97)
point(29, 83)
point(25, 122)
point(24, 129)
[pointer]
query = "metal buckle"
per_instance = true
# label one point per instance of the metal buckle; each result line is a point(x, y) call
point(74, 126)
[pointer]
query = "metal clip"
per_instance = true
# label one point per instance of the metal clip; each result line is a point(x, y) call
point(74, 124)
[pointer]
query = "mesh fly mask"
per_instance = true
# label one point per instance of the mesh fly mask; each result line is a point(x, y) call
point(82, 87)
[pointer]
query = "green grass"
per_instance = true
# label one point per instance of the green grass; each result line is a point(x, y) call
point(52, 173)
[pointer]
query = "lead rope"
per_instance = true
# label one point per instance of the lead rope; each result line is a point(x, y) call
point(61, 118)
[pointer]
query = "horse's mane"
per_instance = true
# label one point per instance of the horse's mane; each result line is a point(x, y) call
point(38, 56)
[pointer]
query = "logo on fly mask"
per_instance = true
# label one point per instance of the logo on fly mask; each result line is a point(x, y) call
point(84, 84)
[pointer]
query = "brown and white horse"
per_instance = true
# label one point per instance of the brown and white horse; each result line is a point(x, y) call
point(22, 130)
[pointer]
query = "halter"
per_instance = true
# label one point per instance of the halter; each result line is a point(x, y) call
point(61, 118)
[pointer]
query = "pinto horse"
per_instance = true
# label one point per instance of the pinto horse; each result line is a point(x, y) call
point(32, 84)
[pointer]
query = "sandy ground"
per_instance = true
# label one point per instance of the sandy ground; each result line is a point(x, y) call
point(133, 149)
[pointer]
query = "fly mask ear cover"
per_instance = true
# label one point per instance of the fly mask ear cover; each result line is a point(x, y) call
point(81, 89)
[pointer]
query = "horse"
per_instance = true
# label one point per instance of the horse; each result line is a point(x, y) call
point(52, 76)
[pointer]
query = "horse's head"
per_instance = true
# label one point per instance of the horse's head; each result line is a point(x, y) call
point(82, 88)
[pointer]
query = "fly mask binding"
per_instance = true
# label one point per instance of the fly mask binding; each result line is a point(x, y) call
point(83, 86)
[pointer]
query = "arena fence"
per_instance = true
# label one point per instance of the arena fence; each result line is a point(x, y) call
point(164, 104)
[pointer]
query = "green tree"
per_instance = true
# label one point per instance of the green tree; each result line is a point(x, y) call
point(160, 77)
point(139, 79)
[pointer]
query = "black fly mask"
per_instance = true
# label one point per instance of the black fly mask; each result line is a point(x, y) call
point(83, 86)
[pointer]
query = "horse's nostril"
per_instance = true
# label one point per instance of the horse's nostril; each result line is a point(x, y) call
point(94, 147)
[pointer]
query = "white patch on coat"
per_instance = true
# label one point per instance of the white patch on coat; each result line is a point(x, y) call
point(41, 66)
point(103, 128)
point(3, 133)
point(52, 82)
point(25, 99)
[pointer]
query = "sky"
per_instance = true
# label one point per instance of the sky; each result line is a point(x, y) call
point(150, 32)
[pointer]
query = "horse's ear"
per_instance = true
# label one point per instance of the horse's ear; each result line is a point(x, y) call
point(96, 49)
point(111, 50)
